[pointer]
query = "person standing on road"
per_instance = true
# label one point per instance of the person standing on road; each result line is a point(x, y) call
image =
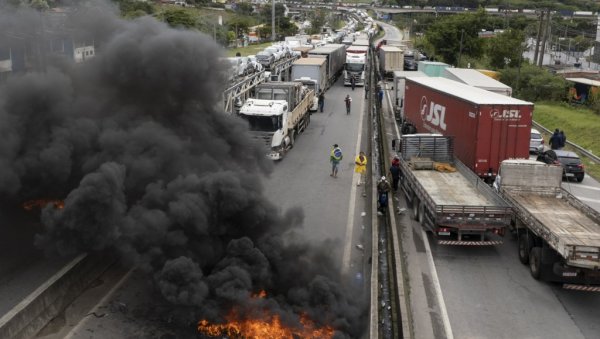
point(321, 101)
point(383, 187)
point(555, 140)
point(335, 157)
point(360, 167)
point(348, 101)
point(380, 97)
point(395, 174)
point(352, 82)
point(563, 139)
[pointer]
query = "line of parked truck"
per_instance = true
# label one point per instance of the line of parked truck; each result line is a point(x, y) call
point(464, 157)
point(278, 111)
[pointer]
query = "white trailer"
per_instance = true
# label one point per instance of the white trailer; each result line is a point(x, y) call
point(390, 59)
point(477, 79)
point(558, 235)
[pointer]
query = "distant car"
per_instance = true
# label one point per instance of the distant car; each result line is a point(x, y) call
point(570, 161)
point(536, 143)
point(265, 58)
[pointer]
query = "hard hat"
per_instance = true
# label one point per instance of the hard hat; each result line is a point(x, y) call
point(383, 178)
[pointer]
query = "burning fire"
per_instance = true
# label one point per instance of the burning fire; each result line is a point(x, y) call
point(41, 203)
point(263, 327)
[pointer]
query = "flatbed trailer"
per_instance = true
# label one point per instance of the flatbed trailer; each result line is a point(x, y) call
point(447, 198)
point(559, 236)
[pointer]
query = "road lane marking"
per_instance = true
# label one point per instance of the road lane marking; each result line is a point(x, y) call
point(438, 289)
point(587, 187)
point(589, 199)
point(352, 204)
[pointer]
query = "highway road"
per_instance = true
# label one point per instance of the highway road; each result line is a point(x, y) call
point(336, 214)
point(485, 291)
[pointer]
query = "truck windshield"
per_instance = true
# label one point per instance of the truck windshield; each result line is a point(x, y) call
point(271, 94)
point(355, 67)
point(262, 123)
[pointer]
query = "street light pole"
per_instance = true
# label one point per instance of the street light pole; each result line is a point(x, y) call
point(273, 20)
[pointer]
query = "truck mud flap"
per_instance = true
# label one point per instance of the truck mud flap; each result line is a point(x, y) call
point(583, 288)
point(470, 243)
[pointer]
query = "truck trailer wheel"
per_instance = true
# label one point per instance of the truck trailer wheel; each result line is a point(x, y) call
point(292, 137)
point(415, 206)
point(525, 246)
point(535, 262)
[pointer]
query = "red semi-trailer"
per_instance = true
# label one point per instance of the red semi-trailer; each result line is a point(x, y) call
point(487, 127)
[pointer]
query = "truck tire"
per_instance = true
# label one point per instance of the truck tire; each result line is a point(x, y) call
point(292, 138)
point(422, 214)
point(535, 262)
point(415, 206)
point(525, 246)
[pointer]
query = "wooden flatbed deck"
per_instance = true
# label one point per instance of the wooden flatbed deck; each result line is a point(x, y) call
point(451, 189)
point(570, 224)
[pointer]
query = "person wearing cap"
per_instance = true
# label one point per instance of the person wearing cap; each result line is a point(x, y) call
point(383, 187)
point(335, 156)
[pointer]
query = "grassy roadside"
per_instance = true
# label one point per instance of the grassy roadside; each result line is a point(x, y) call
point(249, 50)
point(581, 125)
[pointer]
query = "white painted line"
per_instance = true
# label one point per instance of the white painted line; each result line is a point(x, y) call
point(352, 204)
point(587, 187)
point(438, 289)
point(77, 330)
point(434, 277)
point(589, 199)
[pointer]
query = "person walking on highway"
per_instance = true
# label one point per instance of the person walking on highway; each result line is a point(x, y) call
point(352, 82)
point(335, 156)
point(395, 174)
point(555, 140)
point(348, 101)
point(383, 188)
point(563, 139)
point(380, 97)
point(321, 101)
point(360, 167)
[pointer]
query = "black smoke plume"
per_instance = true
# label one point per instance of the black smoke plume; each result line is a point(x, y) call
point(136, 142)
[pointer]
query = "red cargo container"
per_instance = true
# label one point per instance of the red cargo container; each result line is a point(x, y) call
point(487, 127)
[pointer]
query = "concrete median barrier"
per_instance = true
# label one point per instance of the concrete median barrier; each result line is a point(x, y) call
point(49, 299)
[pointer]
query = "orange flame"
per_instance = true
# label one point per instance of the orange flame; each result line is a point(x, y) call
point(261, 327)
point(41, 203)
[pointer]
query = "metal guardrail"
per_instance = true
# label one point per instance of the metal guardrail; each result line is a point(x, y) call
point(585, 152)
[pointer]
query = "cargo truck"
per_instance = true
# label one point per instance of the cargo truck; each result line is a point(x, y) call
point(487, 127)
point(398, 91)
point(558, 235)
point(446, 197)
point(314, 69)
point(356, 62)
point(335, 58)
point(277, 114)
point(391, 59)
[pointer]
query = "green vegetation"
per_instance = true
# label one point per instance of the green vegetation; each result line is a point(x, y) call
point(249, 50)
point(581, 125)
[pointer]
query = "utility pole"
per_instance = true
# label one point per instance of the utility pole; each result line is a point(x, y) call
point(462, 33)
point(539, 37)
point(546, 34)
point(273, 20)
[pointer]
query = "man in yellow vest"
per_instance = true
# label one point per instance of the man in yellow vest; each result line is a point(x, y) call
point(360, 167)
point(335, 157)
